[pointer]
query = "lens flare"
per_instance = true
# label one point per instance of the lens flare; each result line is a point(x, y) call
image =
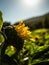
point(30, 3)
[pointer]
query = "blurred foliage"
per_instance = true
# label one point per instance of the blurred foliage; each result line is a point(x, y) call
point(1, 20)
point(24, 47)
point(1, 39)
point(10, 50)
point(1, 24)
point(33, 52)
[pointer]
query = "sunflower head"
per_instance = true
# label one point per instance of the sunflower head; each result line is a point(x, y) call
point(22, 30)
point(37, 37)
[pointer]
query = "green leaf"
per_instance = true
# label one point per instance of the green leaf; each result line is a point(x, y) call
point(1, 20)
point(1, 39)
point(9, 51)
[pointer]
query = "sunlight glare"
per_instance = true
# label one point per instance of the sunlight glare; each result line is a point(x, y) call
point(30, 3)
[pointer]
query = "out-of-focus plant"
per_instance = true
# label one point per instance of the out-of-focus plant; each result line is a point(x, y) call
point(1, 39)
point(1, 20)
point(27, 50)
point(1, 24)
point(10, 50)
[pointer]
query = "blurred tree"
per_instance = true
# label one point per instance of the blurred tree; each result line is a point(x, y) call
point(43, 22)
point(46, 22)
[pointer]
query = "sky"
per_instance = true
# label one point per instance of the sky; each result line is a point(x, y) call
point(16, 10)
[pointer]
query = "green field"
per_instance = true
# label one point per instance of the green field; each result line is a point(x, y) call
point(34, 51)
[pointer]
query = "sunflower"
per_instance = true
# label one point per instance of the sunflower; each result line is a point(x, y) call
point(22, 30)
